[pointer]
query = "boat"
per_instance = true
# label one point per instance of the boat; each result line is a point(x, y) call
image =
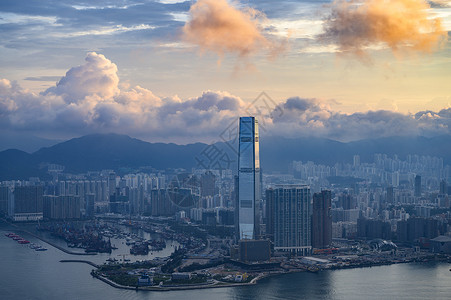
point(23, 241)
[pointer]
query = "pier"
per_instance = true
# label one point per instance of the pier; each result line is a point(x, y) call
point(80, 261)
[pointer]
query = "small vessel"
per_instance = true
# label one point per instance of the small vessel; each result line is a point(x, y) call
point(40, 249)
point(22, 241)
point(111, 259)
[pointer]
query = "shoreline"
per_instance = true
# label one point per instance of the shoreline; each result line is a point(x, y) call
point(254, 281)
point(219, 284)
point(47, 241)
point(174, 288)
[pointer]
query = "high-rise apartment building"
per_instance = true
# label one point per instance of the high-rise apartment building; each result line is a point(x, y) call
point(249, 193)
point(207, 184)
point(5, 195)
point(322, 220)
point(417, 186)
point(26, 203)
point(289, 218)
point(443, 187)
point(61, 207)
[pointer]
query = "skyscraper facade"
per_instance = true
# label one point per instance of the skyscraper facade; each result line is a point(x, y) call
point(290, 218)
point(322, 220)
point(249, 193)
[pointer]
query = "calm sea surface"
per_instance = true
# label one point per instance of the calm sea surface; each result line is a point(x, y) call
point(28, 274)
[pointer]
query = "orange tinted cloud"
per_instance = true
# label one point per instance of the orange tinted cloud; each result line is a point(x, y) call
point(399, 24)
point(217, 26)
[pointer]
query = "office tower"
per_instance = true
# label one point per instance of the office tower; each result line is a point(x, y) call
point(290, 220)
point(417, 186)
point(322, 220)
point(27, 203)
point(249, 197)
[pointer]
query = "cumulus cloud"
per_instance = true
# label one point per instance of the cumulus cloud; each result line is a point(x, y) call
point(89, 98)
point(356, 25)
point(311, 117)
point(219, 27)
point(96, 77)
point(72, 109)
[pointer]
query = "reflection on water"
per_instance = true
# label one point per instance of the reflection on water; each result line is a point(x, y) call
point(27, 274)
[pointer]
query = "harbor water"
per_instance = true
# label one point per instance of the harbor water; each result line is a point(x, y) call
point(29, 274)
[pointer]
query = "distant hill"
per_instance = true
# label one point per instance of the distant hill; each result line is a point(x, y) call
point(24, 142)
point(120, 152)
point(113, 151)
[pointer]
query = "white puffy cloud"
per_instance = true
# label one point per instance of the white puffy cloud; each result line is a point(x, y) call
point(90, 98)
point(97, 77)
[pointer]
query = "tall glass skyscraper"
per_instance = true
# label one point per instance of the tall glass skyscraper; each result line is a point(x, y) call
point(249, 193)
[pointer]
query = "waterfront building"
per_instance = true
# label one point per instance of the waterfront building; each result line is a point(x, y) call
point(61, 207)
point(162, 202)
point(26, 203)
point(5, 195)
point(322, 220)
point(415, 229)
point(441, 244)
point(290, 220)
point(249, 193)
point(254, 250)
point(373, 229)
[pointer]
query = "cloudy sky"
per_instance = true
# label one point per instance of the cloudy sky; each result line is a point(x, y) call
point(182, 72)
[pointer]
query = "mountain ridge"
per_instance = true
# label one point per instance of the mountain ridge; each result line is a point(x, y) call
point(96, 152)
